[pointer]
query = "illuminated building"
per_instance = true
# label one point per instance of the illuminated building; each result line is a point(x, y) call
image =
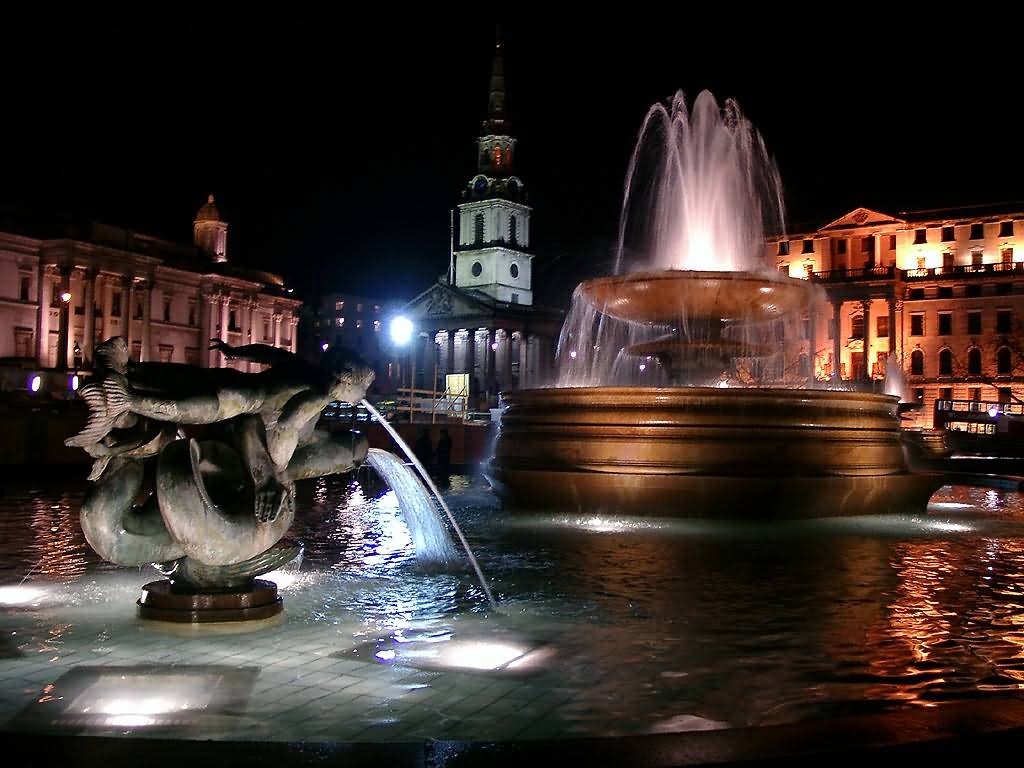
point(941, 292)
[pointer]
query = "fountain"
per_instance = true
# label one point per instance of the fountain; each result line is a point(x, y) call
point(686, 381)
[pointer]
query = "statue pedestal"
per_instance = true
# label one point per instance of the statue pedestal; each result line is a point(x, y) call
point(162, 602)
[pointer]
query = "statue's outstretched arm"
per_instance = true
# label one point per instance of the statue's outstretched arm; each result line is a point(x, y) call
point(253, 353)
point(112, 397)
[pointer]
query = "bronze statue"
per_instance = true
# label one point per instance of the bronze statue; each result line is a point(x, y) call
point(208, 507)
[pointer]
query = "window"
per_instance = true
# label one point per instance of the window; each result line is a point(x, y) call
point(947, 234)
point(882, 326)
point(974, 322)
point(115, 303)
point(513, 230)
point(857, 327)
point(166, 353)
point(1004, 361)
point(138, 309)
point(892, 242)
point(974, 393)
point(359, 323)
point(945, 393)
point(191, 313)
point(1005, 395)
point(339, 306)
point(922, 262)
point(920, 237)
point(974, 361)
point(339, 322)
point(514, 270)
point(783, 248)
point(945, 292)
point(476, 269)
point(1002, 289)
point(167, 310)
point(376, 307)
point(973, 290)
point(233, 320)
point(840, 246)
point(945, 364)
point(808, 246)
point(478, 229)
point(809, 270)
point(917, 365)
point(266, 330)
point(916, 293)
point(497, 156)
point(26, 284)
point(867, 245)
point(917, 325)
point(515, 298)
point(1006, 229)
point(948, 260)
point(919, 394)
point(945, 323)
point(376, 326)
point(977, 231)
point(359, 309)
point(1006, 255)
point(1004, 318)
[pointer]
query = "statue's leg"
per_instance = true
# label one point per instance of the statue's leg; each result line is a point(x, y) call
point(250, 435)
point(328, 454)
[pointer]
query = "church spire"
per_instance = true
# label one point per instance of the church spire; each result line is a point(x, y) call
point(496, 122)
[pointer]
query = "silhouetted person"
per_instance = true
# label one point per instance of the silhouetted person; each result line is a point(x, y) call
point(424, 449)
point(444, 454)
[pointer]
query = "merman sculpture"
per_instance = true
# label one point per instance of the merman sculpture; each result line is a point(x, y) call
point(194, 469)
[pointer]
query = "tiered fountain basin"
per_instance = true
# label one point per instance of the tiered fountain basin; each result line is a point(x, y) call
point(700, 451)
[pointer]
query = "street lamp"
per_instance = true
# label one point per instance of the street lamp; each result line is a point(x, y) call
point(66, 297)
point(401, 330)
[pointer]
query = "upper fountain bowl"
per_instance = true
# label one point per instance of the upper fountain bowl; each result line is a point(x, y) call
point(668, 296)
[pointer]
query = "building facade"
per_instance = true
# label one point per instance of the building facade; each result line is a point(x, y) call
point(938, 293)
point(361, 323)
point(64, 287)
point(481, 319)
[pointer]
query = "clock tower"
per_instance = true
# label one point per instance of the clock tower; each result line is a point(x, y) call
point(492, 255)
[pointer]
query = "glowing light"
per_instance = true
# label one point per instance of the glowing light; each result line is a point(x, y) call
point(723, 384)
point(993, 412)
point(65, 297)
point(74, 383)
point(944, 525)
point(494, 346)
point(401, 330)
point(480, 654)
point(324, 346)
point(19, 595)
point(35, 383)
point(572, 354)
point(643, 366)
point(283, 579)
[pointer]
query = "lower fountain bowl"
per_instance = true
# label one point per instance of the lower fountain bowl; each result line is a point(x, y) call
point(705, 452)
point(160, 601)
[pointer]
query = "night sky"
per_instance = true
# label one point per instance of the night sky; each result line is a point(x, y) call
point(336, 146)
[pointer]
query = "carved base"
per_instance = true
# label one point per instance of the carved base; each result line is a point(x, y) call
point(160, 601)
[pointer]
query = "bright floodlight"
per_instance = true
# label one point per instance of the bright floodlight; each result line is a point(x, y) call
point(401, 330)
point(65, 297)
point(35, 383)
point(324, 346)
point(993, 412)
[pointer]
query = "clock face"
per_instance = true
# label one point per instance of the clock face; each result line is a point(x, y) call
point(480, 184)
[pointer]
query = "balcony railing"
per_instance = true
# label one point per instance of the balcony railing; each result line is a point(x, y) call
point(979, 406)
point(882, 273)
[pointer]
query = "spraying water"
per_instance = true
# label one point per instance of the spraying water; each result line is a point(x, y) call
point(437, 495)
point(429, 535)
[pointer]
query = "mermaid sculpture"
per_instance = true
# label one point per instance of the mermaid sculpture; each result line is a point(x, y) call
point(194, 468)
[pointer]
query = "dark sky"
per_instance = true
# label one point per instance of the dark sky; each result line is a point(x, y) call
point(336, 146)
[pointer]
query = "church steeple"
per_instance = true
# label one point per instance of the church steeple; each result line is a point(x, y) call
point(492, 255)
point(496, 122)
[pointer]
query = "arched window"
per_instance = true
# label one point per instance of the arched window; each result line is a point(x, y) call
point(917, 363)
point(1004, 360)
point(478, 229)
point(497, 156)
point(508, 154)
point(974, 361)
point(513, 230)
point(945, 363)
point(857, 327)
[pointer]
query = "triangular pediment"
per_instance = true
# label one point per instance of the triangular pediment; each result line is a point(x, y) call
point(441, 300)
point(862, 217)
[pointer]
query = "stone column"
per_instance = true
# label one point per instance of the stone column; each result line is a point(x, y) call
point(225, 309)
point(891, 303)
point(205, 308)
point(293, 321)
point(505, 368)
point(525, 373)
point(64, 337)
point(108, 301)
point(837, 327)
point(89, 330)
point(491, 358)
point(471, 361)
point(277, 317)
point(866, 308)
point(812, 343)
point(147, 311)
point(45, 291)
point(129, 315)
point(450, 352)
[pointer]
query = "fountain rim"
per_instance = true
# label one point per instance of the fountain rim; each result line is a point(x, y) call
point(670, 394)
